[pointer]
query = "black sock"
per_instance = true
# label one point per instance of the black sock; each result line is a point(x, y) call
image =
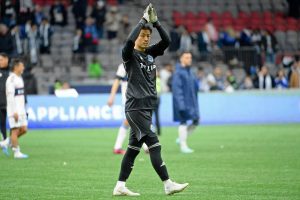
point(157, 163)
point(3, 123)
point(127, 163)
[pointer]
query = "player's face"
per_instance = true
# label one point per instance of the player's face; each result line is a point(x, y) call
point(186, 59)
point(143, 40)
point(19, 69)
point(3, 62)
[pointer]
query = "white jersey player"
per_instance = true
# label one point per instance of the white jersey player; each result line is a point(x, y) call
point(121, 77)
point(16, 110)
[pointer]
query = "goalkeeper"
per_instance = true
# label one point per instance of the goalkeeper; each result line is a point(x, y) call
point(141, 97)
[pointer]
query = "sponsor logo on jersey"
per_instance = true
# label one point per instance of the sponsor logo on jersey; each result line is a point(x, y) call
point(150, 58)
point(148, 67)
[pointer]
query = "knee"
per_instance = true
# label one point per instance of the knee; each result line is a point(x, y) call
point(23, 130)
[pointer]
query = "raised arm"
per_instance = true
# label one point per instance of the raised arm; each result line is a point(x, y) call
point(129, 43)
point(158, 48)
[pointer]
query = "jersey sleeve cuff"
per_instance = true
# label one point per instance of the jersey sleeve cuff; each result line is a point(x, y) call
point(156, 24)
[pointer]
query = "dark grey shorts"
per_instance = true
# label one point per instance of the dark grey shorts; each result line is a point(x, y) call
point(140, 122)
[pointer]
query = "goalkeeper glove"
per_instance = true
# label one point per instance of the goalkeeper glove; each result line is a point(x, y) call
point(152, 14)
point(147, 13)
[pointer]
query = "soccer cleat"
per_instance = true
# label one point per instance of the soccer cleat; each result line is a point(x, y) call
point(5, 151)
point(173, 188)
point(4, 147)
point(19, 155)
point(124, 191)
point(119, 151)
point(186, 150)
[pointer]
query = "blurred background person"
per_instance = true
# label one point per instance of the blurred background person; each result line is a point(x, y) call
point(294, 74)
point(6, 40)
point(216, 80)
point(185, 100)
point(264, 80)
point(4, 73)
point(281, 81)
point(202, 81)
point(165, 75)
point(58, 14)
point(98, 13)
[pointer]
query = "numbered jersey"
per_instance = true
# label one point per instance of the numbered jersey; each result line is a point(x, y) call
point(15, 95)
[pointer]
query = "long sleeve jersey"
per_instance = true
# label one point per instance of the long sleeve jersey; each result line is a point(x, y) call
point(141, 69)
point(15, 95)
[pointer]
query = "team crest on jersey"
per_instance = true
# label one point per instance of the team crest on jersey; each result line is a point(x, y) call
point(150, 58)
point(0, 74)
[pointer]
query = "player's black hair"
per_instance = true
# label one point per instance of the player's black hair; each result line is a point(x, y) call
point(4, 55)
point(147, 27)
point(15, 62)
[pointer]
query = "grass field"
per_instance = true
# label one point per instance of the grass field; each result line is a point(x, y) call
point(230, 162)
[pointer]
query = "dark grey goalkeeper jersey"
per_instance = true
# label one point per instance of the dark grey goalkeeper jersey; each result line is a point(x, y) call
point(141, 69)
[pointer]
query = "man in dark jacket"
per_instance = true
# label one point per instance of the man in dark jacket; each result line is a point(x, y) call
point(4, 72)
point(6, 40)
point(185, 99)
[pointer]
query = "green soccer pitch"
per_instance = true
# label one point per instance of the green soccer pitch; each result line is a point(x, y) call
point(230, 162)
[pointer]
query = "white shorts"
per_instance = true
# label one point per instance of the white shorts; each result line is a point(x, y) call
point(22, 121)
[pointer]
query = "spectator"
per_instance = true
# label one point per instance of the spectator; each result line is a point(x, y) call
point(32, 37)
point(228, 37)
point(216, 80)
point(78, 47)
point(165, 75)
point(58, 14)
point(281, 81)
point(24, 9)
point(17, 41)
point(202, 81)
point(247, 83)
point(185, 40)
point(175, 39)
point(98, 13)
point(211, 31)
point(270, 46)
point(231, 80)
point(264, 80)
point(38, 15)
point(6, 40)
point(45, 32)
point(245, 37)
point(8, 13)
point(79, 10)
point(256, 39)
point(124, 29)
point(112, 22)
point(295, 75)
point(90, 35)
point(95, 69)
point(204, 44)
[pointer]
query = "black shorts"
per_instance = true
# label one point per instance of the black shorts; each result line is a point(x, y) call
point(140, 122)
